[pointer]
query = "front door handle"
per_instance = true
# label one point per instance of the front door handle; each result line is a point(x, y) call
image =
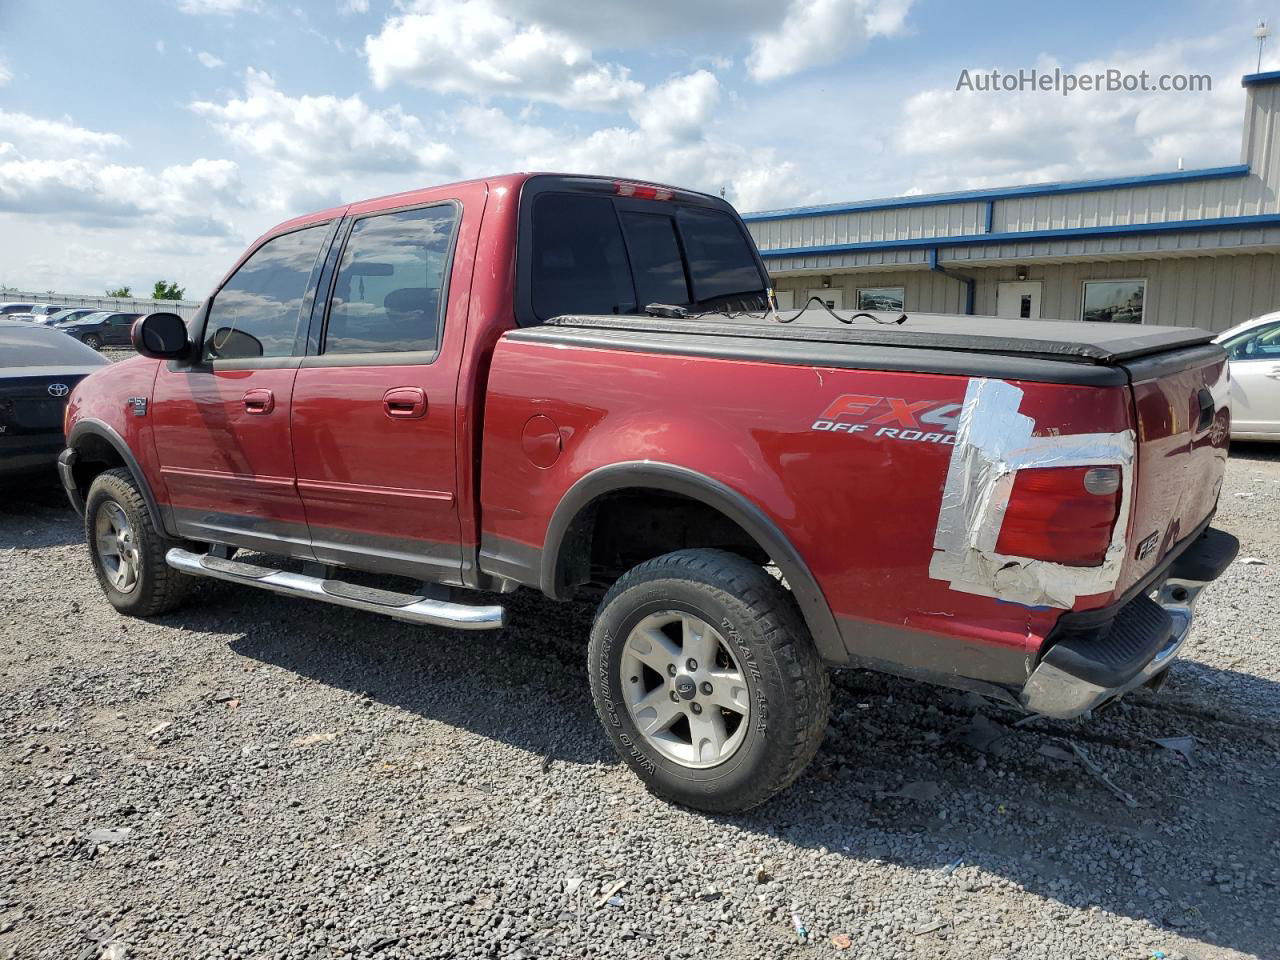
point(1275, 373)
point(405, 403)
point(259, 401)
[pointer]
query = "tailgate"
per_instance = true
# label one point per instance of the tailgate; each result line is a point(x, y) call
point(1183, 423)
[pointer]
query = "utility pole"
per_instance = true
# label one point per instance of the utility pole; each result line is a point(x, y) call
point(1260, 33)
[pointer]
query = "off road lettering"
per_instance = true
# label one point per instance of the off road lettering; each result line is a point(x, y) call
point(856, 413)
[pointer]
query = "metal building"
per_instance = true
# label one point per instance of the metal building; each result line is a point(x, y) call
point(1191, 247)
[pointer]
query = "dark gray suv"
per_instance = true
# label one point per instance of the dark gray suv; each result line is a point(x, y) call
point(102, 329)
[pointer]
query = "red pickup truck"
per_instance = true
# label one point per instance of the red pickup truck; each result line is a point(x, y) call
point(579, 385)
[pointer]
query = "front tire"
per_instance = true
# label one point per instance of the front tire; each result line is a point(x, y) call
point(707, 681)
point(93, 340)
point(127, 549)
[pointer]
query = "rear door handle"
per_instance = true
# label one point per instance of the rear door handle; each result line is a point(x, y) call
point(405, 403)
point(259, 401)
point(1275, 373)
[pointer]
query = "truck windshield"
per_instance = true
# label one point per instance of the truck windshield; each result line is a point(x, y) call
point(604, 255)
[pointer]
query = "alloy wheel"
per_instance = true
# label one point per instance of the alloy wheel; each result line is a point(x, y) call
point(117, 550)
point(685, 689)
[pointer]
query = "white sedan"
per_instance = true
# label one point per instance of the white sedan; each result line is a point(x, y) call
point(1253, 350)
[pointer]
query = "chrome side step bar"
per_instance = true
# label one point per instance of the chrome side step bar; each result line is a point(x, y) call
point(400, 606)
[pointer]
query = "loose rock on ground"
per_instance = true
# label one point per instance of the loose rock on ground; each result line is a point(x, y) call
point(256, 776)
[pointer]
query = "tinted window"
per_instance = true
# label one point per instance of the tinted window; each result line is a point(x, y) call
point(720, 261)
point(37, 346)
point(390, 289)
point(655, 258)
point(255, 314)
point(579, 261)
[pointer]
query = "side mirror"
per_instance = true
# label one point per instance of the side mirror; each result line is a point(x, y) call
point(160, 336)
point(227, 343)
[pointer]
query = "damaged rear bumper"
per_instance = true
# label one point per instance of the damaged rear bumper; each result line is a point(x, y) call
point(1096, 659)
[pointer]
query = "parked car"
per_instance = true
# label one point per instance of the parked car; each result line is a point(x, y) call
point(38, 368)
point(46, 309)
point(465, 386)
point(15, 307)
point(1253, 350)
point(66, 314)
point(101, 329)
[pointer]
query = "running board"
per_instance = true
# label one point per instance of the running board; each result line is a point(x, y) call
point(400, 606)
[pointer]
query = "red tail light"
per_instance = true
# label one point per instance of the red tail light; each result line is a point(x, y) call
point(640, 191)
point(1061, 514)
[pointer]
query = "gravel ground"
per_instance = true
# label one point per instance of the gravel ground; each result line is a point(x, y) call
point(262, 777)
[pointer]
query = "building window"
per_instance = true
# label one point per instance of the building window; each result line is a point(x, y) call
point(1113, 301)
point(889, 299)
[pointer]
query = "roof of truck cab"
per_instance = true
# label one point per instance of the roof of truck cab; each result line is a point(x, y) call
point(511, 181)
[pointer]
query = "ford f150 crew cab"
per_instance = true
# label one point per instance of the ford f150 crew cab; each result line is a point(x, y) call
point(578, 385)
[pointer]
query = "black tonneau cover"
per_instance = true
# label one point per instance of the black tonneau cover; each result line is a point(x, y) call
point(1104, 344)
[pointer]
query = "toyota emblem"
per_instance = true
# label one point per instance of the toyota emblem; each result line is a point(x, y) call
point(58, 389)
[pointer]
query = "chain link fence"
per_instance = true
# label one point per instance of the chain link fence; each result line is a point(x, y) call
point(184, 308)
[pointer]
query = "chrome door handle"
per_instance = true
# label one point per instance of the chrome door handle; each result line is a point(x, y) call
point(259, 401)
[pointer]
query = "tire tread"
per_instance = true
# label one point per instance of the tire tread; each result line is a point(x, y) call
point(786, 642)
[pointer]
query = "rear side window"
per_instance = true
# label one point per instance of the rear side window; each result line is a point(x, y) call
point(655, 258)
point(673, 253)
point(256, 312)
point(579, 260)
point(389, 295)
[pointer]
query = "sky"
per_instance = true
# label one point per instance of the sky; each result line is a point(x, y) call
point(150, 139)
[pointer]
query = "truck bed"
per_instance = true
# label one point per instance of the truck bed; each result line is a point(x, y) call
point(1072, 341)
point(1047, 351)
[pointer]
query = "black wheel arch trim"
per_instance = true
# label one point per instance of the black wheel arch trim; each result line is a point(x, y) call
point(97, 428)
point(652, 475)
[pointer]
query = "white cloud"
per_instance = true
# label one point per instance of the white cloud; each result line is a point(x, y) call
point(753, 176)
point(1029, 136)
point(353, 6)
point(220, 7)
point(6, 74)
point(209, 60)
point(159, 46)
point(186, 198)
point(471, 47)
point(680, 109)
point(816, 33)
point(325, 135)
point(57, 136)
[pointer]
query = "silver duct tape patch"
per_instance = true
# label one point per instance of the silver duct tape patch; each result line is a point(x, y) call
point(993, 442)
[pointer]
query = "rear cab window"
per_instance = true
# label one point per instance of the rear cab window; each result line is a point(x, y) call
point(613, 252)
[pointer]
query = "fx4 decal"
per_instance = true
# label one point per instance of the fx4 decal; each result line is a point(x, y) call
point(894, 418)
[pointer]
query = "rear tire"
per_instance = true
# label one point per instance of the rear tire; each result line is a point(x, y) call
point(761, 692)
point(128, 551)
point(92, 340)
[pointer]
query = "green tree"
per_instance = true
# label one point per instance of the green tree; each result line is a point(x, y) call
point(168, 291)
point(120, 292)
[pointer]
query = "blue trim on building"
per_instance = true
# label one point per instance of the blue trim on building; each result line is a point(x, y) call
point(1258, 79)
point(1071, 233)
point(1004, 193)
